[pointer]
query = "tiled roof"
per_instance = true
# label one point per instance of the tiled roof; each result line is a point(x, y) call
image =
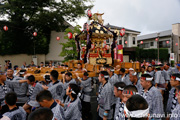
point(154, 35)
point(119, 28)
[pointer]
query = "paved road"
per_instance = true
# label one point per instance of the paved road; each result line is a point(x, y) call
point(94, 103)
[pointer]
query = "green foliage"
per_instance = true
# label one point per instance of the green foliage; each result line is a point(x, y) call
point(172, 63)
point(152, 54)
point(42, 16)
point(69, 51)
point(163, 54)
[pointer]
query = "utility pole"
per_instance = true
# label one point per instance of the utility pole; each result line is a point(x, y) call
point(158, 45)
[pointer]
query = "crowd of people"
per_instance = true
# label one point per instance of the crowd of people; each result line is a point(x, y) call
point(153, 93)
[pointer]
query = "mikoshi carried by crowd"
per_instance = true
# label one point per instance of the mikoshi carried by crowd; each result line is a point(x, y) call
point(64, 92)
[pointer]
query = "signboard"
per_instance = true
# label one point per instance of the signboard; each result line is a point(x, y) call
point(120, 53)
point(171, 56)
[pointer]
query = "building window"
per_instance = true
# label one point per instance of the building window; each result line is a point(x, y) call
point(134, 40)
point(163, 44)
point(144, 45)
point(152, 43)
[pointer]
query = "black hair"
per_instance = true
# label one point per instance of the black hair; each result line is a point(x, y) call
point(44, 95)
point(54, 74)
point(10, 69)
point(149, 66)
point(143, 66)
point(111, 68)
point(131, 88)
point(168, 64)
point(176, 75)
point(15, 67)
point(79, 63)
point(23, 70)
point(86, 74)
point(122, 70)
point(105, 73)
point(42, 62)
point(66, 65)
point(146, 75)
point(11, 98)
point(69, 74)
point(161, 65)
point(41, 114)
point(158, 69)
point(75, 88)
point(63, 72)
point(106, 65)
point(47, 78)
point(136, 102)
point(31, 78)
point(120, 84)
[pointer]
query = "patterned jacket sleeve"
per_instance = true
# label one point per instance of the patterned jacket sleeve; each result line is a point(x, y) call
point(13, 84)
point(108, 99)
point(157, 105)
point(169, 103)
point(157, 77)
point(85, 83)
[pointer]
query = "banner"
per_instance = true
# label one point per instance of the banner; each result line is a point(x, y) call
point(171, 56)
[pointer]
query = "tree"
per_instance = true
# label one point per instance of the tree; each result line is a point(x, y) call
point(23, 17)
point(69, 50)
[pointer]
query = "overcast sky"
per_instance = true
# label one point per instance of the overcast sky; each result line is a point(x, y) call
point(146, 16)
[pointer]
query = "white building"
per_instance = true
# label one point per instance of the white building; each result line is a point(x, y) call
point(167, 39)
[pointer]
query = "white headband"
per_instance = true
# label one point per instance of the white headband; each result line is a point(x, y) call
point(131, 69)
point(106, 76)
point(44, 76)
point(178, 79)
point(136, 113)
point(120, 88)
point(21, 72)
point(134, 74)
point(112, 70)
point(73, 92)
point(149, 79)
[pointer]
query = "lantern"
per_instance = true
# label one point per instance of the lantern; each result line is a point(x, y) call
point(107, 47)
point(5, 28)
point(122, 32)
point(156, 39)
point(141, 42)
point(58, 38)
point(125, 42)
point(89, 13)
point(167, 42)
point(176, 44)
point(70, 35)
point(35, 34)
